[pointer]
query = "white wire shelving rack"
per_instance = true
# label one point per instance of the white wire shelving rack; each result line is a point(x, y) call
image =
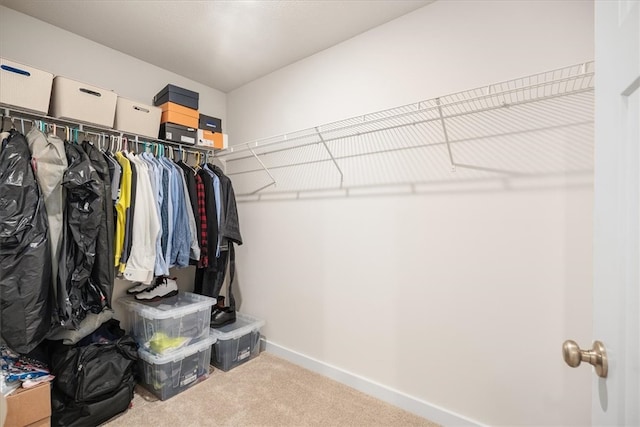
point(528, 126)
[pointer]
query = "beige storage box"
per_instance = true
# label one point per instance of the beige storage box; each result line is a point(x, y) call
point(81, 102)
point(137, 118)
point(24, 87)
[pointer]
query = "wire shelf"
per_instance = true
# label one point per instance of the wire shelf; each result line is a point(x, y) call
point(483, 133)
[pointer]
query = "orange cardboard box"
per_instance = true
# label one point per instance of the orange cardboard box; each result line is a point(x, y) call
point(216, 140)
point(29, 407)
point(180, 115)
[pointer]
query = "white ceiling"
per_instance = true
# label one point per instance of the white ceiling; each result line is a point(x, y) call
point(222, 44)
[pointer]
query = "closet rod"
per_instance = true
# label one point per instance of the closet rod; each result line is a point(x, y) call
point(16, 114)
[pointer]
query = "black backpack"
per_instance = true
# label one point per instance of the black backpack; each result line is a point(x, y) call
point(94, 382)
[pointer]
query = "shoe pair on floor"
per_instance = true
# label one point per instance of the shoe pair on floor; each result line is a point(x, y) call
point(221, 315)
point(163, 287)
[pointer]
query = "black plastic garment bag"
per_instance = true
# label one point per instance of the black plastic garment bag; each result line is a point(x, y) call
point(78, 292)
point(25, 255)
point(103, 273)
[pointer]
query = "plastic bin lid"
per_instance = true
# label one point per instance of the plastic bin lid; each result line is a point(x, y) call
point(169, 308)
point(243, 325)
point(179, 354)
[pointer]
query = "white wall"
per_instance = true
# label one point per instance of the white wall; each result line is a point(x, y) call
point(37, 43)
point(461, 299)
point(34, 42)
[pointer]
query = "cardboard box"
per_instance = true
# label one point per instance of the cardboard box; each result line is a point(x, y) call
point(178, 114)
point(29, 407)
point(209, 123)
point(178, 95)
point(212, 139)
point(178, 133)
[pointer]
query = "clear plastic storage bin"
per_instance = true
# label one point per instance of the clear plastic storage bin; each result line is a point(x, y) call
point(169, 374)
point(236, 343)
point(170, 324)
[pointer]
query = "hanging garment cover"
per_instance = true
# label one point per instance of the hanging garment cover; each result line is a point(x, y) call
point(25, 255)
point(102, 272)
point(83, 216)
point(51, 162)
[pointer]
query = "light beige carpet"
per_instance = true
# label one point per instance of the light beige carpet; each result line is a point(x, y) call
point(265, 391)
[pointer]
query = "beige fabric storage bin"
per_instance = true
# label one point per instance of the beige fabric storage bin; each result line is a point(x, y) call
point(24, 87)
point(137, 118)
point(79, 101)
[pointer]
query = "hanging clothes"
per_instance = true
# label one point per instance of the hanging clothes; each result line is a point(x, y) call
point(230, 224)
point(122, 207)
point(167, 214)
point(192, 210)
point(202, 221)
point(155, 174)
point(102, 273)
point(128, 231)
point(194, 249)
point(180, 235)
point(83, 216)
point(223, 231)
point(25, 254)
point(145, 228)
point(47, 151)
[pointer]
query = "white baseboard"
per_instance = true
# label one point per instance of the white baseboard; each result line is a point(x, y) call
point(397, 398)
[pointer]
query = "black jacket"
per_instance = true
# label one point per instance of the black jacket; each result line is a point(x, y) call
point(230, 227)
point(103, 273)
point(25, 256)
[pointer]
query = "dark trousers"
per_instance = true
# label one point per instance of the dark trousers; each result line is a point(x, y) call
point(208, 281)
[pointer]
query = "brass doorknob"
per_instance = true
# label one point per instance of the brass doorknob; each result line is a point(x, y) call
point(597, 356)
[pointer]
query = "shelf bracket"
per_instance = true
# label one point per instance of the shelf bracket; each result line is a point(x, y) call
point(333, 159)
point(273, 180)
point(446, 136)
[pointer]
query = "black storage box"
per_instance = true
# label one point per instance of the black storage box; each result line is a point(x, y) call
point(178, 133)
point(178, 95)
point(210, 123)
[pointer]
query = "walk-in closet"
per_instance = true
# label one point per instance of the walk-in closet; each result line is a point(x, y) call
point(314, 212)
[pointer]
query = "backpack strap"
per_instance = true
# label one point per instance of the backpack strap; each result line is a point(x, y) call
point(232, 274)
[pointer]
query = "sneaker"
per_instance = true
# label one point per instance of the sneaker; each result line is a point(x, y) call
point(222, 317)
point(217, 306)
point(163, 288)
point(137, 288)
